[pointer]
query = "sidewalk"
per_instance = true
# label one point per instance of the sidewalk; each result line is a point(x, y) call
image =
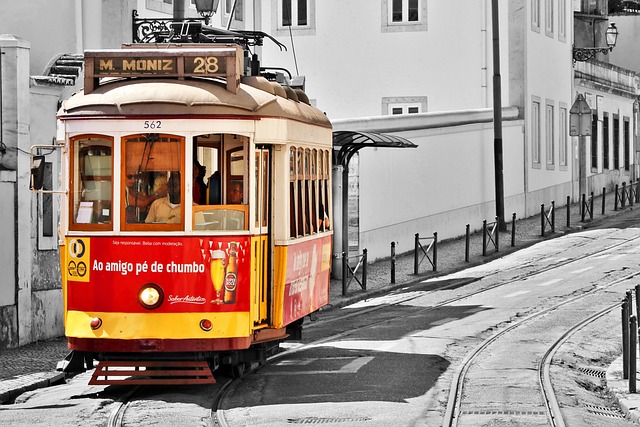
point(34, 365)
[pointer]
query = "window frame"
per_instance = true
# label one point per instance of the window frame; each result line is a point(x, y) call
point(236, 22)
point(562, 20)
point(549, 131)
point(606, 161)
point(535, 132)
point(549, 18)
point(279, 29)
point(388, 25)
point(143, 226)
point(404, 102)
point(563, 132)
point(535, 15)
point(594, 141)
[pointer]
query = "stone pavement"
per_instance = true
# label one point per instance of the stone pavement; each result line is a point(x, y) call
point(34, 365)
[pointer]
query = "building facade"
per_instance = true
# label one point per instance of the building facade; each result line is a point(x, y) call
point(417, 69)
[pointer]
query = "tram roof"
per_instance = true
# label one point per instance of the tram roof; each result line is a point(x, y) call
point(256, 97)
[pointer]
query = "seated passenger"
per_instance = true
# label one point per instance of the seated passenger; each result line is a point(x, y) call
point(167, 209)
point(137, 202)
point(235, 193)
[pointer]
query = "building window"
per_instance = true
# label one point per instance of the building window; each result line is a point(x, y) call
point(48, 208)
point(562, 20)
point(605, 142)
point(404, 105)
point(616, 142)
point(548, 18)
point(627, 138)
point(404, 15)
point(535, 15)
point(549, 133)
point(295, 15)
point(594, 143)
point(535, 132)
point(563, 152)
point(404, 11)
point(238, 14)
point(164, 6)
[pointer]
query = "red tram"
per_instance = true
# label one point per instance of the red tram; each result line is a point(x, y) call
point(160, 273)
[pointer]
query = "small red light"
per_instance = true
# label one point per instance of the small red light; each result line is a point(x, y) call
point(96, 322)
point(206, 325)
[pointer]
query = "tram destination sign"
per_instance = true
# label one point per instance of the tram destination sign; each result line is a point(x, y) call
point(178, 62)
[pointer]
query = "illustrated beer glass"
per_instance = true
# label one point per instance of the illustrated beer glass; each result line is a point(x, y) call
point(217, 273)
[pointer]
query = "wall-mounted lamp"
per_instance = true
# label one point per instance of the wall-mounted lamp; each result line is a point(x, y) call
point(206, 8)
point(586, 53)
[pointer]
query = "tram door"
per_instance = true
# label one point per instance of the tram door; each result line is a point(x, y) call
point(262, 244)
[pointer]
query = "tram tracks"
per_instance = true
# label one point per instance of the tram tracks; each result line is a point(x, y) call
point(217, 414)
point(454, 403)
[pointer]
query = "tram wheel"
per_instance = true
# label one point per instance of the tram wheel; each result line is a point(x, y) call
point(238, 370)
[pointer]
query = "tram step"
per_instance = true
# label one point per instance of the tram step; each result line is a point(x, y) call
point(152, 372)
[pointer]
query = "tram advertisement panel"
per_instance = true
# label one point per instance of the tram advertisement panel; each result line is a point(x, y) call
point(195, 274)
point(307, 280)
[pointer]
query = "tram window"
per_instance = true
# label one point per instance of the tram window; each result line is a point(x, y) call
point(91, 183)
point(152, 188)
point(235, 176)
point(292, 193)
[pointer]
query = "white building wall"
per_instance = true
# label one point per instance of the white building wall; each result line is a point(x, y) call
point(440, 186)
point(350, 63)
point(548, 79)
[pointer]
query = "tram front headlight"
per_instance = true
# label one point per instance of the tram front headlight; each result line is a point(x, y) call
point(150, 296)
point(95, 323)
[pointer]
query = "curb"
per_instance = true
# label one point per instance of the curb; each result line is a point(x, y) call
point(10, 389)
point(616, 384)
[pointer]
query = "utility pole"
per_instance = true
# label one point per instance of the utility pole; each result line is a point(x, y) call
point(497, 119)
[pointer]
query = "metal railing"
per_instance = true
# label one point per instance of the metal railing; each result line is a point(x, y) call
point(418, 247)
point(351, 273)
point(490, 235)
point(548, 218)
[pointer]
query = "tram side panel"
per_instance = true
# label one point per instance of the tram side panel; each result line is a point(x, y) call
point(302, 279)
point(106, 275)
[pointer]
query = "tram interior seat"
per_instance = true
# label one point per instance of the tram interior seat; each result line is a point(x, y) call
point(226, 218)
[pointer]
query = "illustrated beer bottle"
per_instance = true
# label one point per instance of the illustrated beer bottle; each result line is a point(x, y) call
point(231, 278)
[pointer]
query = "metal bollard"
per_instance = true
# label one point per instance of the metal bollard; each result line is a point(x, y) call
point(568, 211)
point(513, 229)
point(633, 334)
point(542, 220)
point(637, 289)
point(553, 216)
point(604, 190)
point(624, 195)
point(629, 295)
point(591, 206)
point(615, 199)
point(344, 273)
point(393, 262)
point(582, 204)
point(497, 234)
point(466, 247)
point(484, 237)
point(364, 269)
point(625, 339)
point(415, 254)
point(435, 250)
